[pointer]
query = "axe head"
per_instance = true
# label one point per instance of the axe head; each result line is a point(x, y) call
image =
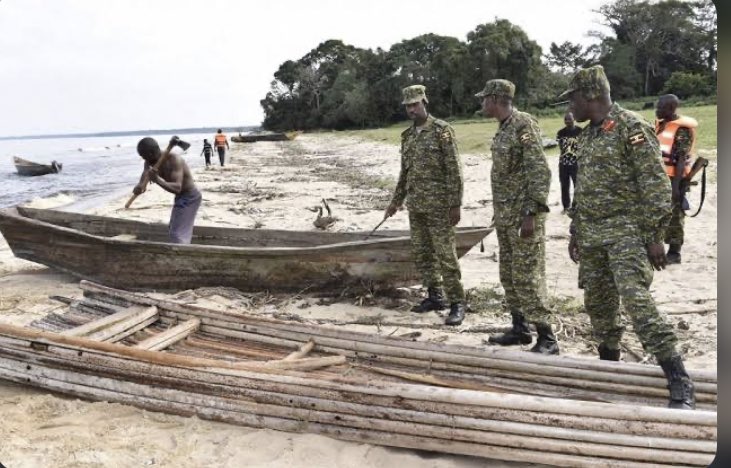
point(184, 145)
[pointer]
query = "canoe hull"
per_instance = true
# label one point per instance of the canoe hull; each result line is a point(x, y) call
point(253, 138)
point(383, 262)
point(30, 169)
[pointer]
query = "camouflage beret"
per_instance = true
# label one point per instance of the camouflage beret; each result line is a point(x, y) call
point(414, 93)
point(497, 88)
point(592, 82)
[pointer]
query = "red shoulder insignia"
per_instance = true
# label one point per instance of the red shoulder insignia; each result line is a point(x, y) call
point(609, 125)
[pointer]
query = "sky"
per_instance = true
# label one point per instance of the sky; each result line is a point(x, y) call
point(71, 66)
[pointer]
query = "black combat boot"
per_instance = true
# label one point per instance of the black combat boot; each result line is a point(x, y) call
point(682, 391)
point(456, 314)
point(606, 354)
point(673, 254)
point(434, 301)
point(546, 343)
point(519, 334)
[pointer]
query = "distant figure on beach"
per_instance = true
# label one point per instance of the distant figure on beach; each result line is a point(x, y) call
point(567, 161)
point(207, 152)
point(175, 177)
point(221, 144)
point(676, 135)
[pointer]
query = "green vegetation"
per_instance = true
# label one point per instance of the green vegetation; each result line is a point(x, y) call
point(651, 48)
point(473, 134)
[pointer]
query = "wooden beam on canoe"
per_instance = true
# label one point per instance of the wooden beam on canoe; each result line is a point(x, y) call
point(170, 336)
point(117, 326)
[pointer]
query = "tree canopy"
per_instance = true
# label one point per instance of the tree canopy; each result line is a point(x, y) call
point(653, 47)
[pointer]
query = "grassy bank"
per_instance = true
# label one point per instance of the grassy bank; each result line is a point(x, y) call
point(474, 134)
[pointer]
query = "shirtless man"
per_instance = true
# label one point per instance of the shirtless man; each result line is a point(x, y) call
point(175, 177)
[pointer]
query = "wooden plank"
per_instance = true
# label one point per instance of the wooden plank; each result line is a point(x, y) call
point(132, 324)
point(170, 336)
point(104, 322)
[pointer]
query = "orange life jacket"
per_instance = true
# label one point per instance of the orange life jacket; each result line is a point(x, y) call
point(666, 137)
point(220, 140)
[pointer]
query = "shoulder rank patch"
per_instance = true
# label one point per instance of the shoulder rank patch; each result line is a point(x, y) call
point(446, 136)
point(637, 138)
point(525, 138)
point(609, 125)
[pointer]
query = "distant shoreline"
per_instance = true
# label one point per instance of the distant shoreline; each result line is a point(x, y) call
point(237, 129)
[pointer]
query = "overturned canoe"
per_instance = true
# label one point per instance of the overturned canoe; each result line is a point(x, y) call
point(137, 255)
point(30, 168)
point(264, 136)
point(244, 369)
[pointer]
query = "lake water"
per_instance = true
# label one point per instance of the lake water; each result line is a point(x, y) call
point(93, 168)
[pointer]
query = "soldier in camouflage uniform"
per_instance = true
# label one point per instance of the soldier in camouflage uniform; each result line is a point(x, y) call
point(677, 159)
point(622, 209)
point(520, 180)
point(431, 183)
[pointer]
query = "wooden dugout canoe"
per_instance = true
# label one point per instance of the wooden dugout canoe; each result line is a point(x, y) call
point(30, 168)
point(247, 259)
point(264, 136)
point(256, 371)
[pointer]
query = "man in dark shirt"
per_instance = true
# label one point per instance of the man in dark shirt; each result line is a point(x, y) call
point(207, 151)
point(567, 161)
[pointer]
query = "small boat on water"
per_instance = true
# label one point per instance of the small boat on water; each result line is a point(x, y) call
point(264, 136)
point(137, 255)
point(30, 168)
point(169, 355)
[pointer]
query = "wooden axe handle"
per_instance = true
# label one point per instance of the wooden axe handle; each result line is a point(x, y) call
point(146, 180)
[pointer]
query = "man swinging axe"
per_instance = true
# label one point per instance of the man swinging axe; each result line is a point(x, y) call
point(169, 170)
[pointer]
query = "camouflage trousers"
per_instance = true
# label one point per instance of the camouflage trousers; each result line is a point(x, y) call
point(523, 271)
point(674, 231)
point(434, 248)
point(622, 272)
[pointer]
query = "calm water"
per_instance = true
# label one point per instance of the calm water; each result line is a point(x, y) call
point(93, 168)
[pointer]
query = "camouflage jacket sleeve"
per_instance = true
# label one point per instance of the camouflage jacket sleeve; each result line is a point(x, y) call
point(537, 173)
point(399, 194)
point(452, 166)
point(654, 210)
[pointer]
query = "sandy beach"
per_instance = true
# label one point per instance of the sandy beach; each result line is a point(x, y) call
point(278, 185)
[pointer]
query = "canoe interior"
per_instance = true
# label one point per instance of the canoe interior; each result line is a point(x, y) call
point(204, 235)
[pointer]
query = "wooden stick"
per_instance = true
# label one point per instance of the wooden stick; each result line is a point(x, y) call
point(455, 396)
point(440, 348)
point(109, 387)
point(99, 324)
point(302, 352)
point(170, 336)
point(120, 330)
point(263, 388)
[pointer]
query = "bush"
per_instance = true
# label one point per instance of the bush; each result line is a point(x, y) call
point(684, 84)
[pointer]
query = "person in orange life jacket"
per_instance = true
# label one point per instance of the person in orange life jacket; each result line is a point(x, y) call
point(676, 135)
point(221, 143)
point(207, 151)
point(567, 165)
